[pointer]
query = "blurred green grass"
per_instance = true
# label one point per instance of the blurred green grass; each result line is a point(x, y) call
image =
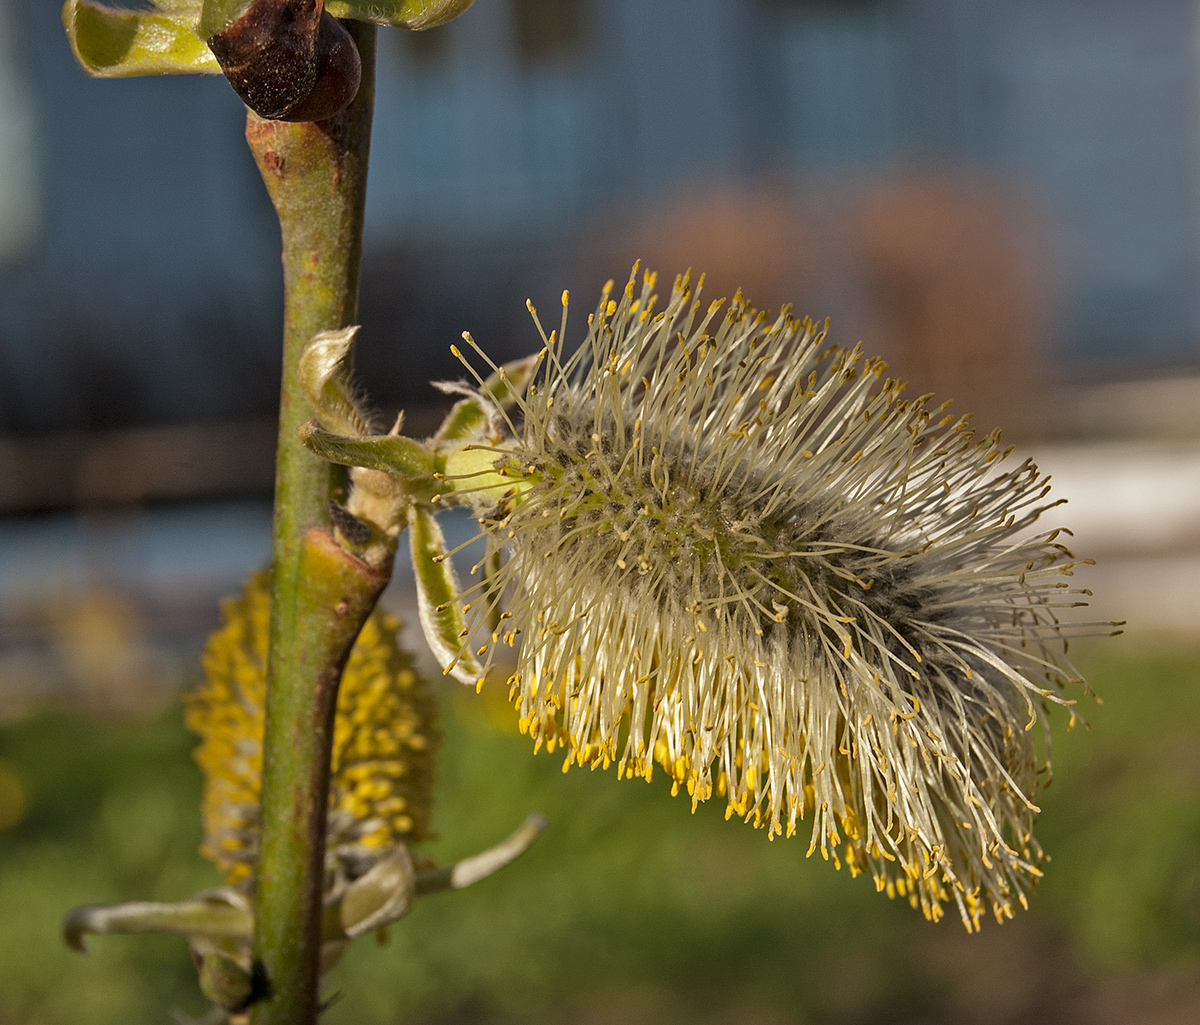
point(630, 908)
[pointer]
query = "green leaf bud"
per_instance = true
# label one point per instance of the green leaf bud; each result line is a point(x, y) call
point(325, 367)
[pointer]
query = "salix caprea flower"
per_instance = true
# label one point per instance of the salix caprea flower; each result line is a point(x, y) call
point(384, 743)
point(723, 545)
point(380, 796)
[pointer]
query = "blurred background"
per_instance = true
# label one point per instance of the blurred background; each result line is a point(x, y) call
point(1002, 198)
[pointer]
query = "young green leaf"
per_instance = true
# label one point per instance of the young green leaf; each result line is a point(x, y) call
point(116, 44)
point(471, 417)
point(391, 453)
point(215, 915)
point(437, 591)
point(325, 374)
point(410, 14)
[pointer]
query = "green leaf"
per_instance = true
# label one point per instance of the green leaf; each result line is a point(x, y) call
point(471, 418)
point(410, 14)
point(437, 598)
point(203, 917)
point(113, 43)
point(470, 870)
point(380, 896)
point(325, 376)
point(392, 453)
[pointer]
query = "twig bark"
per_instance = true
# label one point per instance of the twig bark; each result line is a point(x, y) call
point(316, 174)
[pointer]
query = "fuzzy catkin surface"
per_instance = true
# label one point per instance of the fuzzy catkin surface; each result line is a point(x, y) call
point(739, 552)
point(384, 745)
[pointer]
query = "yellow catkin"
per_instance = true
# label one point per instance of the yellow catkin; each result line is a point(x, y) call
point(384, 742)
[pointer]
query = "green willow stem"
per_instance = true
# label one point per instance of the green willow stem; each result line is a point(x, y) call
point(316, 174)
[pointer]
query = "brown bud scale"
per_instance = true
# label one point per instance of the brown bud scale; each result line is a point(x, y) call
point(289, 60)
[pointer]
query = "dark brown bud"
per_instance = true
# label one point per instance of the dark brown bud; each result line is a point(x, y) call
point(289, 60)
point(354, 531)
